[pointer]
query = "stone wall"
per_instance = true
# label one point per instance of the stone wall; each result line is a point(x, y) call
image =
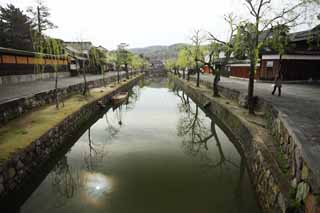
point(269, 182)
point(14, 79)
point(15, 108)
point(304, 175)
point(26, 162)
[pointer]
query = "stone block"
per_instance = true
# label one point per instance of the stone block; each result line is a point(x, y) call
point(304, 172)
point(2, 189)
point(11, 172)
point(302, 191)
point(20, 165)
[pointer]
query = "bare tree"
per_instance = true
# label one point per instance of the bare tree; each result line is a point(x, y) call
point(227, 45)
point(253, 33)
point(197, 39)
point(40, 17)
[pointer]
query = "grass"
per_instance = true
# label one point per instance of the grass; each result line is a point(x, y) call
point(21, 132)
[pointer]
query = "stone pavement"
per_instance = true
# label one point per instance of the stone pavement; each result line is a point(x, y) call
point(14, 91)
point(299, 104)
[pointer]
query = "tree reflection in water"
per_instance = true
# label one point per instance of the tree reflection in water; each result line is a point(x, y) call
point(196, 135)
point(94, 155)
point(65, 182)
point(134, 95)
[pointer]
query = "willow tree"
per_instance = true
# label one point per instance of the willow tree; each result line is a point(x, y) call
point(184, 60)
point(137, 62)
point(55, 49)
point(123, 57)
point(98, 62)
point(145, 63)
point(196, 51)
point(253, 33)
point(170, 64)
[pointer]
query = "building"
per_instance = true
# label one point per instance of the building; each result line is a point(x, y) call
point(300, 62)
point(78, 53)
point(157, 65)
point(240, 69)
point(20, 66)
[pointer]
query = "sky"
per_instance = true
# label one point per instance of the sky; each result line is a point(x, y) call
point(139, 23)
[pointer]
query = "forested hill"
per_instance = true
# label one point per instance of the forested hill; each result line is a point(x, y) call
point(159, 52)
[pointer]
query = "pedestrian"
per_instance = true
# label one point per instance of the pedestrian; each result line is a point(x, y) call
point(277, 84)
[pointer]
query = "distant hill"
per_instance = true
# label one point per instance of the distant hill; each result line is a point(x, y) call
point(160, 52)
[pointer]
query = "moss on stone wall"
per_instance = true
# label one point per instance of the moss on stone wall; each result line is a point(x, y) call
point(21, 132)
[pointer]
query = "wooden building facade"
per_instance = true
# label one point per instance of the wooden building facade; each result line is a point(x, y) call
point(301, 61)
point(240, 69)
point(17, 62)
point(293, 67)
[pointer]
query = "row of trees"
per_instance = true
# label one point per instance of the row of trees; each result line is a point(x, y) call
point(266, 26)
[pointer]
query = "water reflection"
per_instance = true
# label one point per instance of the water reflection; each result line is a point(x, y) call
point(196, 135)
point(96, 188)
point(159, 152)
point(65, 181)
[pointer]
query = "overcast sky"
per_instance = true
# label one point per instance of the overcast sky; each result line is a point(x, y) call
point(137, 22)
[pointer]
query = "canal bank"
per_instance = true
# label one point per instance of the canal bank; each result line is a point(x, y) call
point(151, 161)
point(18, 166)
point(19, 99)
point(293, 120)
point(268, 169)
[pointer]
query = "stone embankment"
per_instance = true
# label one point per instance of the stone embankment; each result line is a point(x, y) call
point(281, 174)
point(14, 108)
point(24, 163)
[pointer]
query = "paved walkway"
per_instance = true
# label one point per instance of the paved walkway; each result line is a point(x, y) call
point(9, 92)
point(299, 103)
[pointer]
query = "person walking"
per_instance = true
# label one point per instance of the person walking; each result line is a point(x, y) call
point(277, 84)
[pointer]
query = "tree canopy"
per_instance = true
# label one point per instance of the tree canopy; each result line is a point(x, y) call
point(14, 28)
point(40, 14)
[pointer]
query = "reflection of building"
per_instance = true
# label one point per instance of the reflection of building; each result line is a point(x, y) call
point(300, 62)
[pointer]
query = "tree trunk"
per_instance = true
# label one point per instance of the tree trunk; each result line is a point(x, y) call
point(56, 90)
point(188, 75)
point(39, 20)
point(198, 75)
point(183, 74)
point(85, 90)
point(104, 79)
point(127, 71)
point(118, 75)
point(215, 84)
point(251, 86)
point(280, 66)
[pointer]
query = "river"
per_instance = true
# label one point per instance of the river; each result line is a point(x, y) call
point(158, 153)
